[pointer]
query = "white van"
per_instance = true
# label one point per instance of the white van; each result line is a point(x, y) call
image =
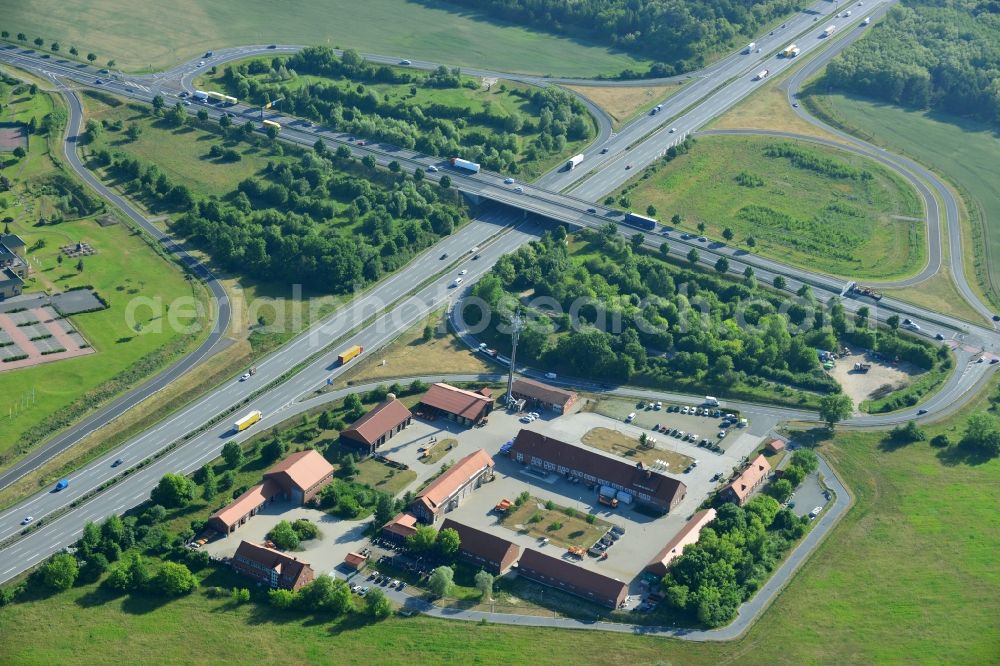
point(630, 418)
point(457, 282)
point(710, 401)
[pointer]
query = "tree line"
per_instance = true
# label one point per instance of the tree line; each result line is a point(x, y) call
point(940, 54)
point(548, 118)
point(678, 34)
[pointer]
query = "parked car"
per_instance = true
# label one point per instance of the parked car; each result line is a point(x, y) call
point(815, 512)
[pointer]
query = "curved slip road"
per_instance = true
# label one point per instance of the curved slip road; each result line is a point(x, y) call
point(96, 420)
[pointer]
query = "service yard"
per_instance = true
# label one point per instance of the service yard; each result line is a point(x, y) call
point(861, 386)
point(652, 454)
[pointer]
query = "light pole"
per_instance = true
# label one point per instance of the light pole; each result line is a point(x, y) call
point(516, 324)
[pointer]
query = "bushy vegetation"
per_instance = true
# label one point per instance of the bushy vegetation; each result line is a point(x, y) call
point(327, 227)
point(677, 33)
point(733, 557)
point(939, 54)
point(677, 326)
point(504, 128)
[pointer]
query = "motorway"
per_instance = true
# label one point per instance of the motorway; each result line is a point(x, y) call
point(361, 322)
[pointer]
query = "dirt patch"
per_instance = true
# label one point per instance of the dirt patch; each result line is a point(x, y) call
point(629, 447)
point(859, 386)
point(437, 450)
point(12, 135)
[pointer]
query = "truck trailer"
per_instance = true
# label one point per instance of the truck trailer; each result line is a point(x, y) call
point(574, 162)
point(750, 47)
point(641, 221)
point(830, 29)
point(349, 353)
point(459, 163)
point(762, 74)
point(247, 421)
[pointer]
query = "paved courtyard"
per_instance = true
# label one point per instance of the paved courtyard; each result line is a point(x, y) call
point(40, 334)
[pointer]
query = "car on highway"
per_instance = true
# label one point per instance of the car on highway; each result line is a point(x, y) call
point(62, 484)
point(208, 54)
point(795, 105)
point(673, 129)
point(245, 376)
point(27, 519)
point(921, 412)
point(994, 361)
point(201, 63)
point(432, 169)
point(519, 189)
point(508, 181)
point(405, 62)
point(273, 46)
point(939, 336)
point(187, 103)
point(463, 272)
point(182, 94)
point(475, 257)
point(444, 256)
point(702, 239)
point(457, 281)
point(104, 71)
point(591, 210)
point(628, 166)
point(117, 462)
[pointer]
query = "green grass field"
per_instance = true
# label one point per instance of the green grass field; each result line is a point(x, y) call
point(840, 226)
point(124, 268)
point(157, 35)
point(908, 576)
point(964, 152)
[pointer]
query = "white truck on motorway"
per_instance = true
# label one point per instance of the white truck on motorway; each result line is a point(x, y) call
point(762, 74)
point(830, 29)
point(459, 163)
point(750, 47)
point(574, 162)
point(868, 19)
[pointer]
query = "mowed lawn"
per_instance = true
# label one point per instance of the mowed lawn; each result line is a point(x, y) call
point(964, 152)
point(844, 227)
point(148, 34)
point(124, 268)
point(908, 576)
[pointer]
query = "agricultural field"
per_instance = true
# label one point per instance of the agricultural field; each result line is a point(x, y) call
point(910, 502)
point(804, 204)
point(504, 125)
point(51, 209)
point(962, 151)
point(187, 28)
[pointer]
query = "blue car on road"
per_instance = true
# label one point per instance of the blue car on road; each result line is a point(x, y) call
point(62, 483)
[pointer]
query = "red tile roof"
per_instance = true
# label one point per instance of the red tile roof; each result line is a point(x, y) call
point(288, 567)
point(663, 490)
point(303, 469)
point(574, 578)
point(446, 485)
point(381, 419)
point(539, 391)
point(247, 502)
point(356, 560)
point(456, 401)
point(751, 476)
point(675, 547)
point(483, 544)
point(776, 445)
point(404, 525)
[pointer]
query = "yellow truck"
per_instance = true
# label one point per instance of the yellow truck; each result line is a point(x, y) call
point(350, 353)
point(247, 421)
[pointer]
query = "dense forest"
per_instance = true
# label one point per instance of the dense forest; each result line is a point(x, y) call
point(678, 34)
point(937, 54)
point(512, 127)
point(326, 221)
point(608, 310)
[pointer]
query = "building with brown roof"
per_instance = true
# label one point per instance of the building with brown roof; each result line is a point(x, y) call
point(749, 480)
point(446, 492)
point(299, 477)
point(355, 561)
point(644, 486)
point(482, 549)
point(376, 427)
point(399, 528)
point(537, 394)
point(271, 567)
point(465, 407)
point(562, 575)
point(302, 475)
point(688, 535)
point(775, 446)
